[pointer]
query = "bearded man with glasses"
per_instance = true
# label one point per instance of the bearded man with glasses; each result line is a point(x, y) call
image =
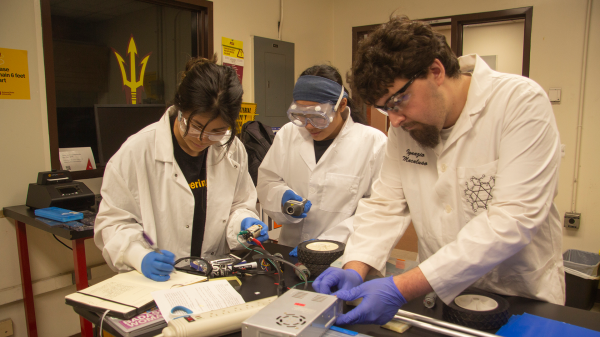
point(472, 160)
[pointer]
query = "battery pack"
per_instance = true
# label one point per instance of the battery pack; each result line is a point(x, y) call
point(296, 313)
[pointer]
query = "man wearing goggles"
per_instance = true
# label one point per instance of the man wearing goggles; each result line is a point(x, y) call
point(323, 156)
point(472, 161)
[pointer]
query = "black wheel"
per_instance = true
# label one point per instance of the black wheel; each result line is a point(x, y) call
point(316, 269)
point(477, 309)
point(322, 252)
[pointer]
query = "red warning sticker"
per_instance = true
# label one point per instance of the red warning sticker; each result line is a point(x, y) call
point(299, 304)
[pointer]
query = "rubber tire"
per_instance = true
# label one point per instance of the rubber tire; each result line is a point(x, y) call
point(316, 269)
point(481, 320)
point(308, 256)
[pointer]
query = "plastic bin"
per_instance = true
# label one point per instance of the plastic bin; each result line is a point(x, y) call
point(581, 278)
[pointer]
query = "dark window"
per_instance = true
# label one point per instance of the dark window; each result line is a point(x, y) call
point(115, 52)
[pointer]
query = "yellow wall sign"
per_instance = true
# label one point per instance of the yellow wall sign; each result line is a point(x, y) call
point(14, 74)
point(233, 55)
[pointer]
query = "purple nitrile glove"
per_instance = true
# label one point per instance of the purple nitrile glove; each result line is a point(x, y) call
point(335, 279)
point(381, 300)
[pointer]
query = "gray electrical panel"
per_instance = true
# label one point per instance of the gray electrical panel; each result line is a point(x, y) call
point(273, 80)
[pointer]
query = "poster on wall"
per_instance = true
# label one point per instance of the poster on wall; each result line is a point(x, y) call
point(14, 74)
point(233, 55)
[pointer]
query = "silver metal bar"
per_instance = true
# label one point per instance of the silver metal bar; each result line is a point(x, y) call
point(431, 327)
point(418, 317)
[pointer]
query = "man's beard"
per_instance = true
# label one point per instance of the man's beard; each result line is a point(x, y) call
point(427, 136)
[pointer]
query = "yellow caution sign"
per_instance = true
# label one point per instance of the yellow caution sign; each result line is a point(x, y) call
point(14, 74)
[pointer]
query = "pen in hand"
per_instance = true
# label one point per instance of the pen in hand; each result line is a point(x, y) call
point(151, 243)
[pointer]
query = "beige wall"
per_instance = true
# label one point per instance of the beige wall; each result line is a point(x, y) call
point(308, 24)
point(505, 40)
point(321, 31)
point(556, 59)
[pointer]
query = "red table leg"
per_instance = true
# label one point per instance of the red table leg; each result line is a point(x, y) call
point(26, 279)
point(81, 281)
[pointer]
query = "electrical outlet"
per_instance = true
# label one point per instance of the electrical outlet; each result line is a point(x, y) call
point(6, 328)
point(572, 220)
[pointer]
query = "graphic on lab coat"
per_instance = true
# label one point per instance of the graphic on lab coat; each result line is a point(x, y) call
point(334, 185)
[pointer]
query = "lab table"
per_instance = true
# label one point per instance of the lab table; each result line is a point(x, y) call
point(261, 286)
point(23, 216)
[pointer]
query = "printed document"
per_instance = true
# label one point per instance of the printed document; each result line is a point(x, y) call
point(198, 298)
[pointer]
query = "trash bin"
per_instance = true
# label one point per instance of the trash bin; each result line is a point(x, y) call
point(581, 278)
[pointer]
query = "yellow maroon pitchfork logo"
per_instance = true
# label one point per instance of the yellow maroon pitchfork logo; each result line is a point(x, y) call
point(135, 86)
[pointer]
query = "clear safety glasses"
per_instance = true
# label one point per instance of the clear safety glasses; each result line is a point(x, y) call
point(195, 132)
point(398, 100)
point(319, 116)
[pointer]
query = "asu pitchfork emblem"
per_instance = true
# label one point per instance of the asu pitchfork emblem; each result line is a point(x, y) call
point(135, 86)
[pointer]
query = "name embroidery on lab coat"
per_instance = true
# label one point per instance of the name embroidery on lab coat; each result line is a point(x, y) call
point(416, 156)
point(479, 192)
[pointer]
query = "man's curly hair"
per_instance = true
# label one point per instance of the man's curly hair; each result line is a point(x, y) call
point(400, 48)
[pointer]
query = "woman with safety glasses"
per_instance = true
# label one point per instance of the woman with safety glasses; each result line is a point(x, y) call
point(324, 157)
point(181, 184)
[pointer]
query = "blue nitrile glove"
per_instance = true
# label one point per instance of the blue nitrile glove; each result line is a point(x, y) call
point(264, 232)
point(290, 195)
point(294, 251)
point(157, 266)
point(381, 300)
point(333, 280)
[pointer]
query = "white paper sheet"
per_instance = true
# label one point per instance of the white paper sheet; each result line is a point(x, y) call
point(77, 158)
point(199, 298)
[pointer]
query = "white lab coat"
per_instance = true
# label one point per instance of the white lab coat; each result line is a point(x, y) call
point(334, 185)
point(144, 189)
point(482, 203)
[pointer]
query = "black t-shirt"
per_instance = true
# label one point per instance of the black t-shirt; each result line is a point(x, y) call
point(320, 147)
point(194, 170)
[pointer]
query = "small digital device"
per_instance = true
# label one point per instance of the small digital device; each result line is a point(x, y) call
point(293, 207)
point(57, 189)
point(296, 313)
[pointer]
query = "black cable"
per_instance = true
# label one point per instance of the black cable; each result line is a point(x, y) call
point(61, 242)
point(286, 262)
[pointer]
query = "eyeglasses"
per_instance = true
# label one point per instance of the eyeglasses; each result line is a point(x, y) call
point(397, 101)
point(195, 132)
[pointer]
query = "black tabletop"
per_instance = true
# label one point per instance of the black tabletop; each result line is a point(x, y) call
point(25, 214)
point(261, 286)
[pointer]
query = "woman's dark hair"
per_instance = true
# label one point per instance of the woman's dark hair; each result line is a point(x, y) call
point(400, 48)
point(212, 90)
point(331, 73)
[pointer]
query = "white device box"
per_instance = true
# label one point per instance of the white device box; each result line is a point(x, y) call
point(297, 313)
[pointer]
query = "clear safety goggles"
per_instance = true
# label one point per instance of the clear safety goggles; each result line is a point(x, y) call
point(398, 100)
point(195, 132)
point(319, 116)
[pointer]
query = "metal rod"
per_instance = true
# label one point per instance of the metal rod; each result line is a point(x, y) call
point(431, 327)
point(444, 324)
